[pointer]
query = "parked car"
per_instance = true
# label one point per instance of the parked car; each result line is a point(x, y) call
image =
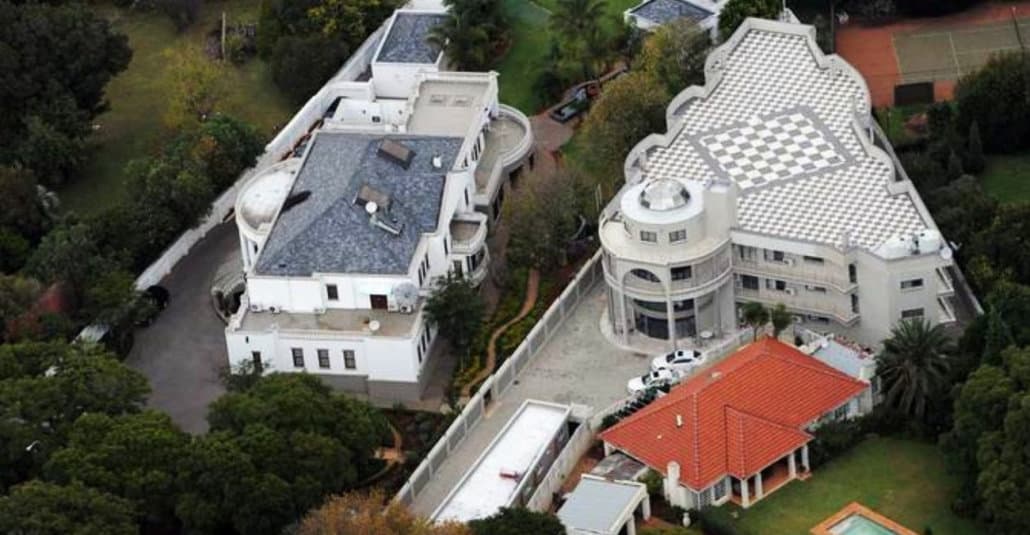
point(680, 360)
point(652, 380)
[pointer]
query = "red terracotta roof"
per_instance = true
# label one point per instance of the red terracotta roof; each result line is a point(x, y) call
point(738, 416)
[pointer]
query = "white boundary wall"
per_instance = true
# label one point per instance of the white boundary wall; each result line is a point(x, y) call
point(498, 383)
point(575, 448)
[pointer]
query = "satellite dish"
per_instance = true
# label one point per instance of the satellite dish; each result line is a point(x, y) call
point(371, 207)
point(373, 325)
point(946, 253)
point(405, 294)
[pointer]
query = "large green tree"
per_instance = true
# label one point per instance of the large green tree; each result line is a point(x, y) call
point(456, 309)
point(45, 388)
point(302, 64)
point(55, 60)
point(913, 366)
point(630, 108)
point(735, 11)
point(275, 450)
point(472, 33)
point(675, 54)
point(542, 215)
point(39, 508)
point(996, 99)
point(133, 456)
point(517, 521)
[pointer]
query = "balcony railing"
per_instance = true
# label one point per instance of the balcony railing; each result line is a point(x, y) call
point(798, 302)
point(702, 274)
point(824, 275)
point(947, 286)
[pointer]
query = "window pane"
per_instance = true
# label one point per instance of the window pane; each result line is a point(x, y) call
point(348, 359)
point(298, 357)
point(323, 358)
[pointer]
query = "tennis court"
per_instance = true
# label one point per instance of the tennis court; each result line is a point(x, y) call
point(939, 54)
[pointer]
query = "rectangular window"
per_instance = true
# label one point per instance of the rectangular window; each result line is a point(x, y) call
point(813, 260)
point(774, 256)
point(780, 285)
point(911, 313)
point(298, 357)
point(682, 273)
point(841, 412)
point(854, 303)
point(677, 236)
point(648, 236)
point(747, 254)
point(912, 284)
point(749, 282)
point(816, 289)
point(349, 362)
point(332, 292)
point(466, 195)
point(852, 273)
point(323, 358)
point(255, 357)
point(379, 301)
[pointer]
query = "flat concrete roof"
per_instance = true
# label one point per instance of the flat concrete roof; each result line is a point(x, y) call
point(447, 108)
point(353, 321)
point(515, 450)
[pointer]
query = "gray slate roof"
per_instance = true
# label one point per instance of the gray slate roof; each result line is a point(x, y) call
point(406, 42)
point(665, 11)
point(329, 233)
point(595, 505)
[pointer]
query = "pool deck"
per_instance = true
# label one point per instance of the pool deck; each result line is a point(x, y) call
point(855, 508)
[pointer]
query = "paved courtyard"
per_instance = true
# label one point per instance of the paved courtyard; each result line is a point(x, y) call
point(184, 350)
point(576, 366)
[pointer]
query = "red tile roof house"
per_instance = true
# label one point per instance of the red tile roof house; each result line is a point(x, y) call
point(740, 429)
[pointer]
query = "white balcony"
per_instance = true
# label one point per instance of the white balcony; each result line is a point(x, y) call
point(946, 285)
point(799, 303)
point(798, 270)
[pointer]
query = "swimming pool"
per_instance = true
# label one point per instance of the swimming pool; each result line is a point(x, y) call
point(857, 524)
point(856, 519)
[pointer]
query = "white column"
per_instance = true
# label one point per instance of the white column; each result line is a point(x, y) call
point(792, 465)
point(745, 501)
point(804, 458)
point(631, 526)
point(622, 310)
point(759, 490)
point(670, 320)
point(646, 506)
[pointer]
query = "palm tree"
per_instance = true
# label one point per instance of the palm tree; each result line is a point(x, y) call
point(756, 316)
point(913, 366)
point(780, 318)
point(578, 19)
point(465, 41)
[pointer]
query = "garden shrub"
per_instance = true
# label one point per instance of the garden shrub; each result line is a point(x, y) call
point(832, 439)
point(711, 523)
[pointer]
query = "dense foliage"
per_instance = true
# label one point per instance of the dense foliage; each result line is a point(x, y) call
point(472, 34)
point(675, 54)
point(913, 367)
point(371, 513)
point(47, 509)
point(735, 11)
point(996, 98)
point(517, 521)
point(542, 216)
point(56, 60)
point(456, 309)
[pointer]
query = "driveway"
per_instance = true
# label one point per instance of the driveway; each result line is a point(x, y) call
point(183, 351)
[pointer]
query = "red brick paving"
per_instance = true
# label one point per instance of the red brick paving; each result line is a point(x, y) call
point(870, 47)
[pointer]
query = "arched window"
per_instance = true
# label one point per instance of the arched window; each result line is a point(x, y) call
point(645, 274)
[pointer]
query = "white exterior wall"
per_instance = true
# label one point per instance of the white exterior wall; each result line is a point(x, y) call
point(397, 80)
point(277, 355)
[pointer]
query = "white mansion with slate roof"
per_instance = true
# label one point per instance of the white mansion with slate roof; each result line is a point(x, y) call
point(405, 166)
point(773, 184)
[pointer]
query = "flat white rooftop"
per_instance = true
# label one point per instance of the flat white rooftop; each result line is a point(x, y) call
point(482, 490)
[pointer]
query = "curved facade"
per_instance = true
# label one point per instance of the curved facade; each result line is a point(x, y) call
point(667, 261)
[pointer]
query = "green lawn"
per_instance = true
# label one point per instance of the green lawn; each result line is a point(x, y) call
point(1007, 178)
point(901, 479)
point(531, 46)
point(134, 125)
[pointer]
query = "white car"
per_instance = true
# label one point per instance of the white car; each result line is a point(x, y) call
point(651, 379)
point(681, 360)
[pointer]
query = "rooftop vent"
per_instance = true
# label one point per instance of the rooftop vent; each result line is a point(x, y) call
point(384, 221)
point(396, 152)
point(438, 100)
point(462, 102)
point(437, 162)
point(369, 194)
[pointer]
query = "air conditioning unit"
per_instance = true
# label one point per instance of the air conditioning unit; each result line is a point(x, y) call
point(407, 309)
point(320, 310)
point(255, 307)
point(790, 291)
point(274, 309)
point(789, 262)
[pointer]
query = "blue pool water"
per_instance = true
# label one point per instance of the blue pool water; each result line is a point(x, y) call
point(859, 525)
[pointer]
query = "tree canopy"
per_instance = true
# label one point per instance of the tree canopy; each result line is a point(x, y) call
point(675, 54)
point(47, 509)
point(735, 11)
point(56, 60)
point(517, 521)
point(371, 513)
point(913, 366)
point(456, 309)
point(995, 97)
point(541, 216)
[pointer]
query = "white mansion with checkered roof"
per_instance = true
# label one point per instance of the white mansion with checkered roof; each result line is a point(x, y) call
point(773, 184)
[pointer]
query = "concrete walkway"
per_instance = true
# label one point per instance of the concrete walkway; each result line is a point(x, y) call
point(183, 351)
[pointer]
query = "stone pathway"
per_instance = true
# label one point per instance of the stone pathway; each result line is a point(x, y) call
point(532, 290)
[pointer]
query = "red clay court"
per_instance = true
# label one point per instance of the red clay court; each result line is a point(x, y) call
point(938, 50)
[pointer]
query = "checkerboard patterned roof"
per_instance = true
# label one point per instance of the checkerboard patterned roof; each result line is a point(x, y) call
point(781, 126)
point(738, 416)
